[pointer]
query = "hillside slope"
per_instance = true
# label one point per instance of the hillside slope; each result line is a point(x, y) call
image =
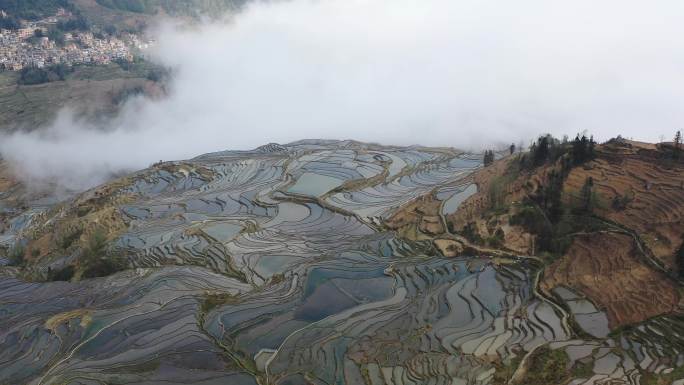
point(193, 8)
point(640, 191)
point(32, 9)
point(90, 91)
point(124, 15)
point(621, 255)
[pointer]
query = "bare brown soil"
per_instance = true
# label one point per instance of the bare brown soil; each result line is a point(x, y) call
point(606, 268)
point(418, 219)
point(654, 189)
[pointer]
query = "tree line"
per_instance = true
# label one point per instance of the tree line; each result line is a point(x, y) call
point(488, 157)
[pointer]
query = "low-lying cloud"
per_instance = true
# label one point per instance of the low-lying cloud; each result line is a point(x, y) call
point(461, 73)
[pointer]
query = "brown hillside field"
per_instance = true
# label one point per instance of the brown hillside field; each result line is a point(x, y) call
point(89, 92)
point(421, 218)
point(606, 268)
point(413, 212)
point(654, 189)
point(477, 208)
point(123, 20)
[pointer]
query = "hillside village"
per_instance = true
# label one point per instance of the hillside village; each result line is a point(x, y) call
point(30, 45)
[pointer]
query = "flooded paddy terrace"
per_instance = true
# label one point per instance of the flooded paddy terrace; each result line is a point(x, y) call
point(271, 267)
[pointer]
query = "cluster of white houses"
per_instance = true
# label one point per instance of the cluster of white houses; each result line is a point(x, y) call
point(25, 47)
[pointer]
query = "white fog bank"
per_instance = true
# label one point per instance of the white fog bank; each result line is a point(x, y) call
point(461, 73)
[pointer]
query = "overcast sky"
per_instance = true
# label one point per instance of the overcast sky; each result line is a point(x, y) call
point(461, 73)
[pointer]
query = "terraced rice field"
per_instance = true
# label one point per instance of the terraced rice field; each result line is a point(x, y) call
point(272, 267)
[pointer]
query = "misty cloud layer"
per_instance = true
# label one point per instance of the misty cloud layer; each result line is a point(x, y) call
point(461, 73)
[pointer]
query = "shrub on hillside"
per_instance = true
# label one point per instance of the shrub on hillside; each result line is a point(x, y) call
point(497, 239)
point(68, 239)
point(63, 274)
point(33, 75)
point(546, 367)
point(104, 266)
point(620, 202)
point(533, 220)
point(16, 255)
point(471, 233)
point(97, 261)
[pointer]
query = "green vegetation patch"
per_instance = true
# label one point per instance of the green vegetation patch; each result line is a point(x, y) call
point(16, 255)
point(173, 7)
point(63, 274)
point(663, 379)
point(69, 238)
point(583, 369)
point(97, 261)
point(546, 366)
point(33, 75)
point(555, 237)
point(214, 300)
point(504, 372)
